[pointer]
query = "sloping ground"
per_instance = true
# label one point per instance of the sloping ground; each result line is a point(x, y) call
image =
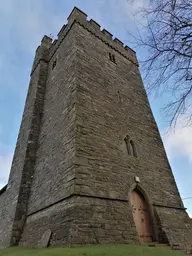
point(93, 250)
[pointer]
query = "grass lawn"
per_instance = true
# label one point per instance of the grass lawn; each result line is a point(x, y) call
point(92, 250)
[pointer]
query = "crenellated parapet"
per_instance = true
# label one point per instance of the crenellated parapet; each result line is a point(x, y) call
point(77, 16)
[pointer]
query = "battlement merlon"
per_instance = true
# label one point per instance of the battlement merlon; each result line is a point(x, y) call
point(77, 14)
point(46, 41)
point(42, 52)
point(93, 27)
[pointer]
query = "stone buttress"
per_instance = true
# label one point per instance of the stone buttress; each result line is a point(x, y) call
point(14, 200)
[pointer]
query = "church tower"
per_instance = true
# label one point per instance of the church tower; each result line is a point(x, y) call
point(89, 165)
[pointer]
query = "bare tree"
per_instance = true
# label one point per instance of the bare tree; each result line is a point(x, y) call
point(167, 37)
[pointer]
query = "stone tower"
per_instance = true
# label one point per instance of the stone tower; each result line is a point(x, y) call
point(89, 163)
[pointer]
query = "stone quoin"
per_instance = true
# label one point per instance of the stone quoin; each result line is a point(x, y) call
point(89, 164)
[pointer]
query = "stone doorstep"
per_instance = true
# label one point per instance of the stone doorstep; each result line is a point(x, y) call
point(175, 247)
point(188, 252)
point(158, 245)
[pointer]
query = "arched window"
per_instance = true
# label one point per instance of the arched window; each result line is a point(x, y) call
point(127, 144)
point(54, 63)
point(131, 149)
point(112, 57)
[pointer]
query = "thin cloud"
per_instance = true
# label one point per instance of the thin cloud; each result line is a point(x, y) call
point(28, 21)
point(5, 165)
point(178, 143)
point(134, 6)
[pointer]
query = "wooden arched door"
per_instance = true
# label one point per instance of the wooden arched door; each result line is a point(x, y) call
point(141, 216)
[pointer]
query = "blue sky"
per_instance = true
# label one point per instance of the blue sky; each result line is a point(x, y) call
point(23, 24)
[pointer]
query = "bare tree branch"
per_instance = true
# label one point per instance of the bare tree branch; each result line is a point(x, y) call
point(167, 37)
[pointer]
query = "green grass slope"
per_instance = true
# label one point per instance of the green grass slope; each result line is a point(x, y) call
point(92, 250)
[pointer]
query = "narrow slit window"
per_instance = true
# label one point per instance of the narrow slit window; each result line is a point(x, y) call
point(54, 64)
point(112, 57)
point(127, 143)
point(118, 97)
point(131, 149)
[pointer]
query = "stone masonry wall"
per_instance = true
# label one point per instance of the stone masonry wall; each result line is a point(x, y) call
point(13, 202)
point(58, 218)
point(82, 220)
point(30, 158)
point(54, 170)
point(112, 103)
point(6, 218)
point(175, 223)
